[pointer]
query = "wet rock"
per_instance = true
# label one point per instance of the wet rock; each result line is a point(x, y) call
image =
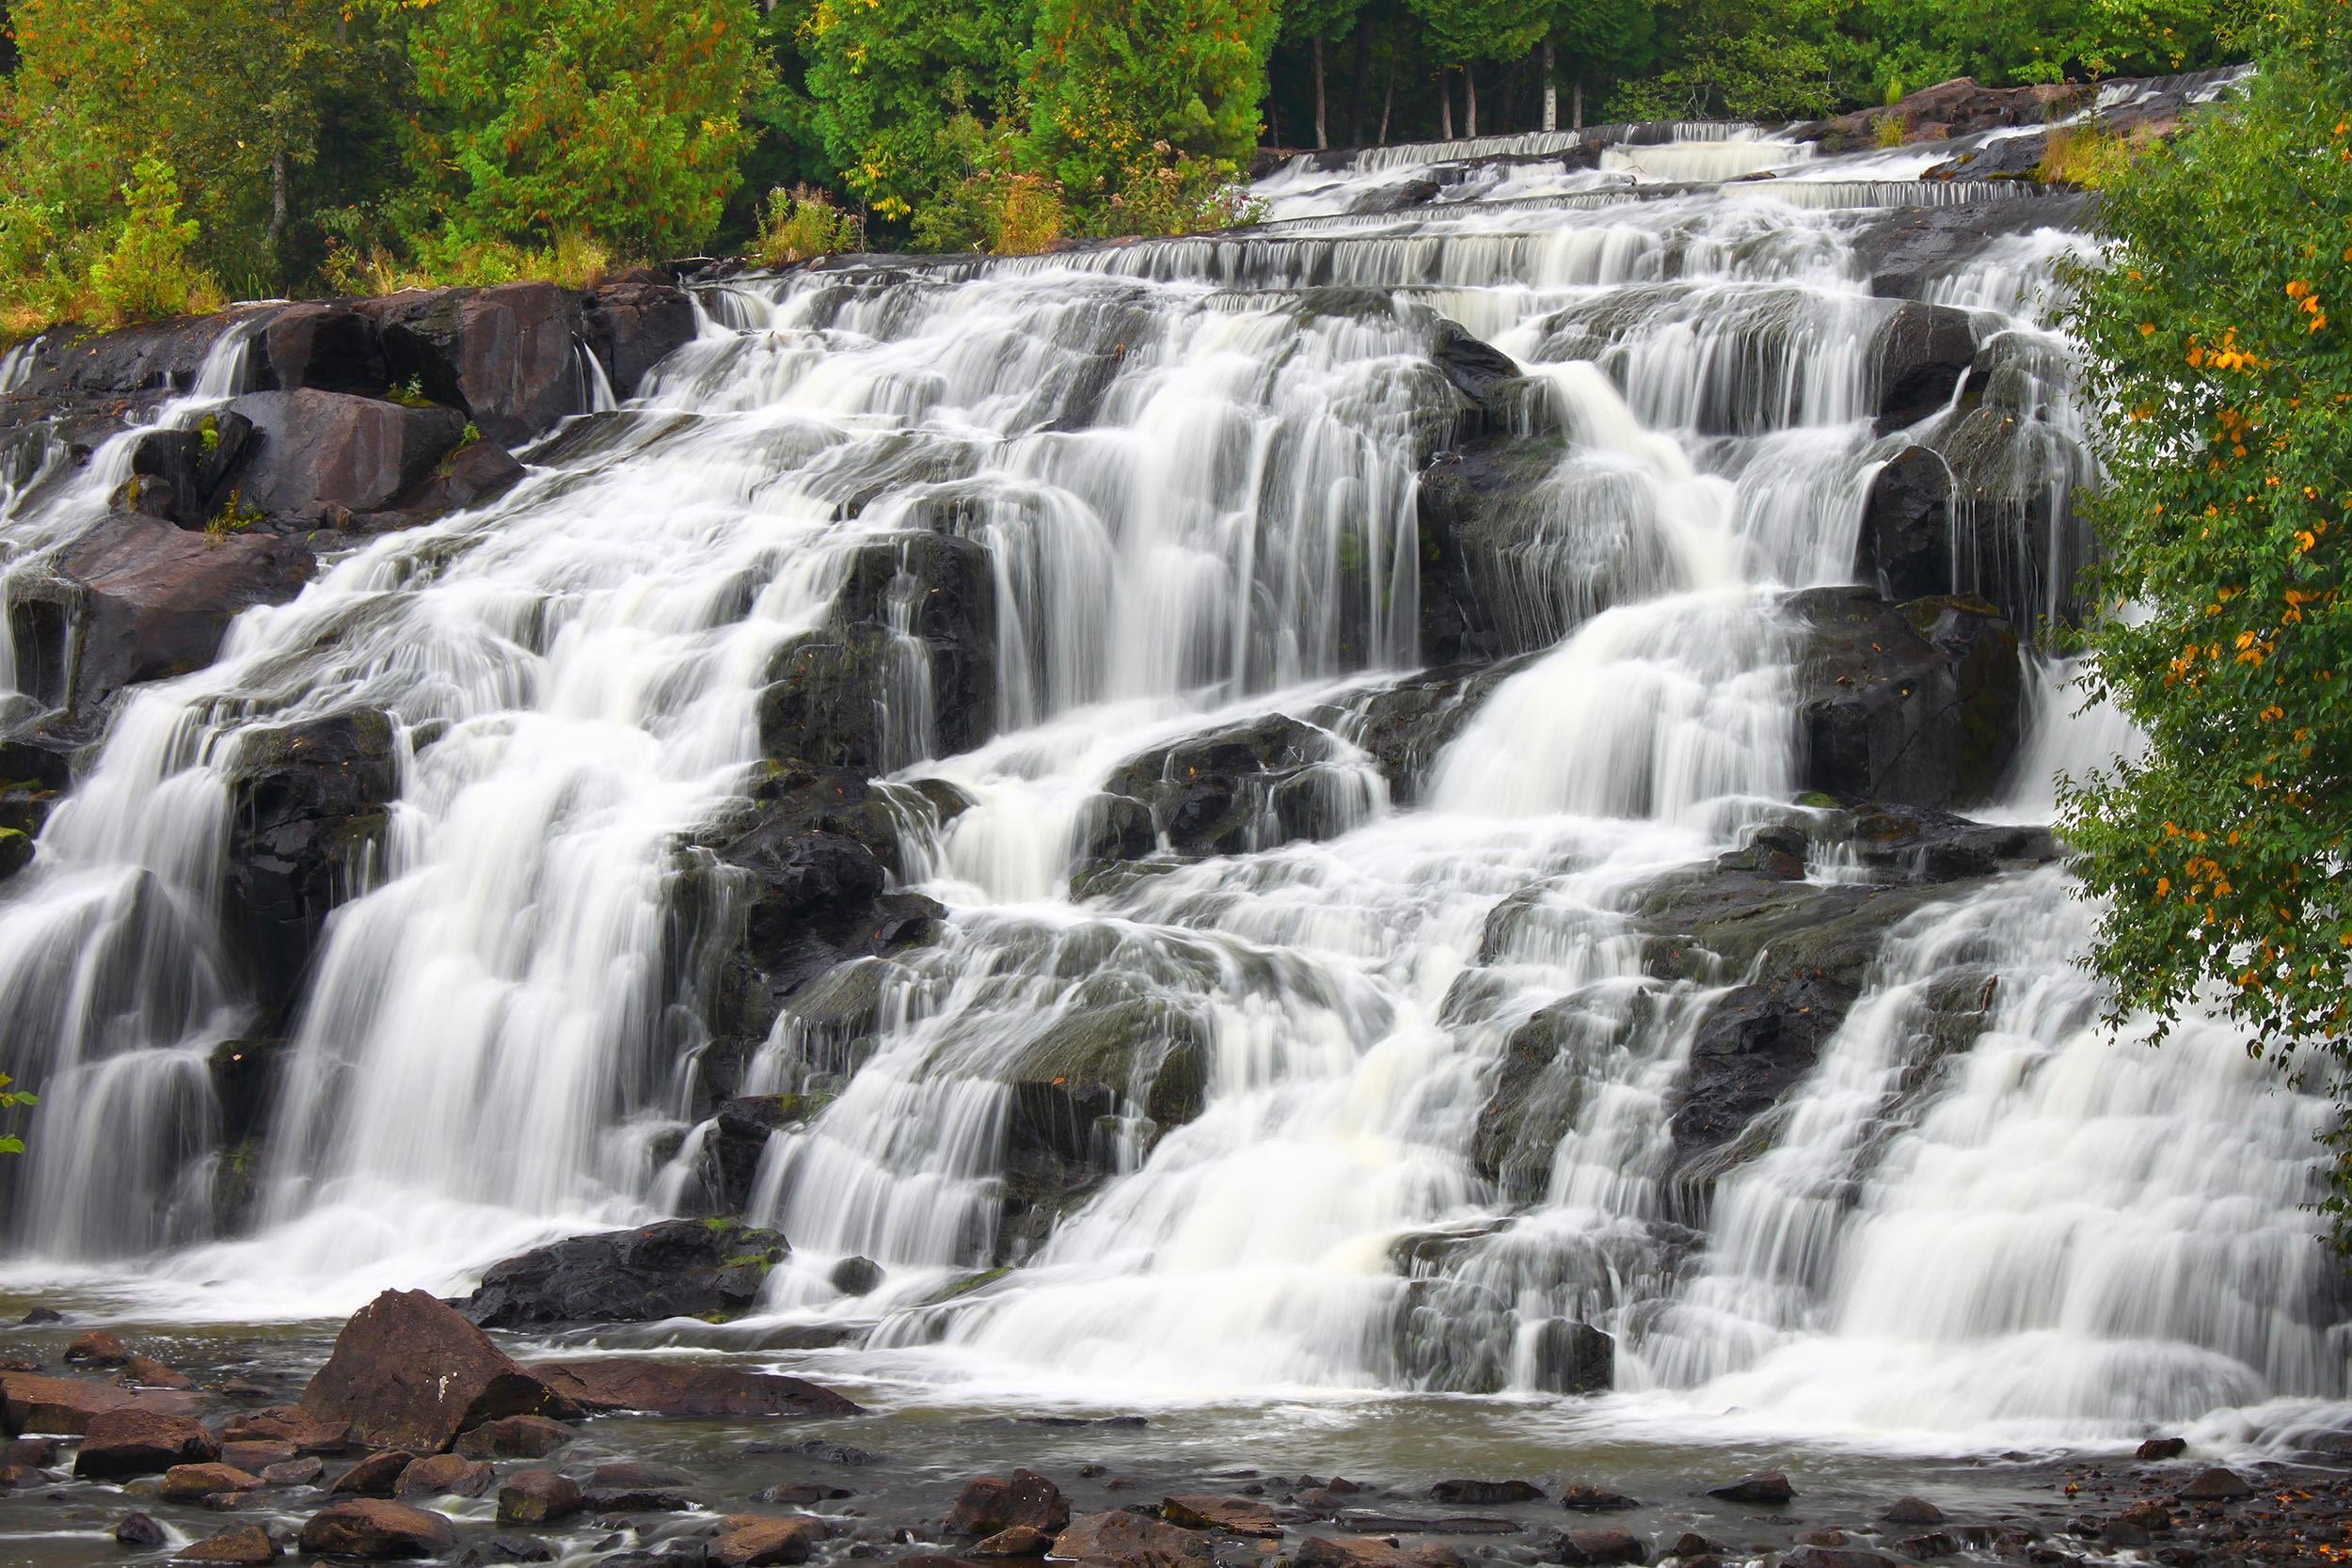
point(294, 1472)
point(664, 1388)
point(97, 1348)
point(509, 1548)
point(1920, 354)
point(376, 1475)
point(823, 1451)
point(1912, 1510)
point(409, 1372)
point(1908, 250)
point(39, 1452)
point(324, 345)
point(373, 1529)
point(1477, 508)
point(1574, 1358)
point(1485, 376)
point(673, 1269)
point(744, 1127)
point(2161, 1447)
point(471, 474)
point(1350, 1551)
point(539, 1498)
point(1585, 1499)
point(145, 1372)
point(915, 613)
point(1916, 704)
point(185, 475)
point(307, 815)
point(1485, 1493)
point(132, 1442)
point(799, 1494)
point(1133, 1540)
point(317, 456)
point(1835, 1557)
point(2217, 1485)
point(502, 354)
point(514, 1438)
point(444, 1475)
point(185, 1483)
point(1692, 1544)
point(287, 1423)
point(856, 1276)
point(1017, 1541)
point(136, 599)
point(1602, 1546)
point(245, 1546)
point(2015, 466)
point(1906, 545)
point(1138, 1055)
point(750, 1540)
point(1233, 790)
point(1233, 1516)
point(989, 1504)
point(631, 326)
point(635, 1500)
point(1374, 1521)
point(1759, 1488)
point(139, 1529)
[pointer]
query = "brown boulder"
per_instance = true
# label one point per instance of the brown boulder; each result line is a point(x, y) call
point(97, 1348)
point(445, 1475)
point(187, 1483)
point(539, 1498)
point(1131, 1538)
point(32, 1401)
point(1350, 1551)
point(752, 1540)
point(988, 1505)
point(294, 1472)
point(504, 355)
point(1236, 1515)
point(1018, 1541)
point(148, 1373)
point(1470, 1491)
point(2217, 1485)
point(411, 1372)
point(2162, 1448)
point(515, 1437)
point(319, 455)
point(1602, 1547)
point(1761, 1488)
point(255, 1455)
point(373, 1527)
point(246, 1547)
point(289, 1424)
point(664, 1388)
point(374, 1476)
point(131, 1441)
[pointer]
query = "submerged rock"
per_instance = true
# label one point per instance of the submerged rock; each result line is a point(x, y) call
point(659, 1386)
point(673, 1269)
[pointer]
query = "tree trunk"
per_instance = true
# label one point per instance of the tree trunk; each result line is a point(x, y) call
point(280, 176)
point(1387, 94)
point(1445, 108)
point(1356, 90)
point(1470, 101)
point(1552, 92)
point(1576, 108)
point(1322, 134)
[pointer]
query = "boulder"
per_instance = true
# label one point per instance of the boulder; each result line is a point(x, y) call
point(1907, 250)
point(503, 355)
point(2161, 1447)
point(325, 345)
point(445, 1475)
point(988, 1505)
point(145, 1372)
point(1581, 1497)
point(97, 1348)
point(1810, 1556)
point(753, 1540)
point(289, 1424)
point(408, 1371)
point(184, 473)
point(139, 1529)
point(1603, 1545)
point(602, 1500)
point(659, 1386)
point(515, 1437)
point(304, 1471)
point(539, 1498)
point(319, 457)
point(187, 1483)
point(129, 1442)
point(1574, 1358)
point(1350, 1551)
point(2217, 1485)
point(1917, 356)
point(136, 599)
point(475, 473)
point(915, 613)
point(245, 1546)
point(1233, 1516)
point(1912, 1510)
point(1484, 593)
point(673, 1269)
point(374, 1530)
point(1131, 1540)
point(1918, 704)
point(1906, 544)
point(377, 1476)
point(632, 326)
point(1488, 377)
point(1759, 1488)
point(1018, 1541)
point(307, 812)
point(856, 1276)
point(1251, 786)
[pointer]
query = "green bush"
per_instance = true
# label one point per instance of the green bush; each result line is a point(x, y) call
point(800, 225)
point(150, 270)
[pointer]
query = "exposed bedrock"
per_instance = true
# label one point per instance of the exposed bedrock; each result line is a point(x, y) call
point(1250, 786)
point(673, 1269)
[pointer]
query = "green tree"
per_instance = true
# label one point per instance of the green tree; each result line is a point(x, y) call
point(1312, 21)
point(1464, 32)
point(1741, 60)
point(1601, 40)
point(2215, 332)
point(1141, 109)
point(621, 119)
point(888, 76)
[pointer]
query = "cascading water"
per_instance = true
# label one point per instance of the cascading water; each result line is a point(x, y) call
point(1190, 467)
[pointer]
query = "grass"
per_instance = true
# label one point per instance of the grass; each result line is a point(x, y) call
point(2088, 158)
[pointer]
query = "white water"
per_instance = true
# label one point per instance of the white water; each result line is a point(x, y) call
point(1192, 466)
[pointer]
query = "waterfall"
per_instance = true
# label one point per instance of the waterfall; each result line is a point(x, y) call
point(1229, 1120)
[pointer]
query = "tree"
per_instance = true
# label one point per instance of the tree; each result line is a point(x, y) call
point(1141, 109)
point(2215, 333)
point(620, 120)
point(1463, 32)
point(887, 77)
point(1311, 21)
point(1603, 39)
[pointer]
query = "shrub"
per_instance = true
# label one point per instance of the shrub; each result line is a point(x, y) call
point(150, 272)
point(801, 224)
